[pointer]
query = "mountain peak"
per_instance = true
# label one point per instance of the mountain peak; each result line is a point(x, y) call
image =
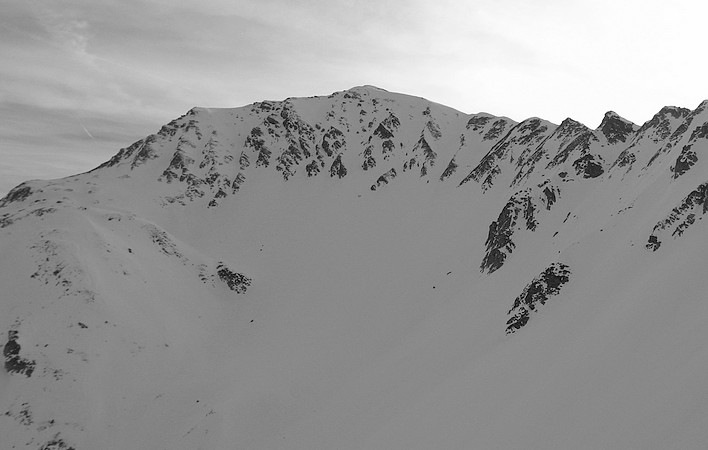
point(616, 128)
point(367, 88)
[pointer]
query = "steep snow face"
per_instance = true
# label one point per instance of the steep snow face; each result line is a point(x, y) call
point(363, 270)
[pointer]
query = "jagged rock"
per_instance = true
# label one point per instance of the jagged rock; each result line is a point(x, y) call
point(433, 129)
point(681, 217)
point(588, 166)
point(237, 282)
point(337, 168)
point(423, 149)
point(684, 161)
point(626, 158)
point(499, 243)
point(56, 444)
point(332, 141)
point(548, 283)
point(477, 123)
point(580, 144)
point(382, 132)
point(369, 160)
point(615, 128)
point(14, 363)
point(449, 170)
point(16, 194)
point(387, 148)
point(384, 179)
point(660, 126)
point(496, 130)
point(145, 152)
point(313, 168)
point(288, 160)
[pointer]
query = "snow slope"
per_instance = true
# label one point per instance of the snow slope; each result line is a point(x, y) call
point(367, 270)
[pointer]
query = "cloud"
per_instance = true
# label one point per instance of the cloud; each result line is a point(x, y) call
point(148, 61)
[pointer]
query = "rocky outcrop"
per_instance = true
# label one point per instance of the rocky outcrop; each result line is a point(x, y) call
point(337, 169)
point(547, 284)
point(692, 208)
point(14, 363)
point(589, 166)
point(520, 212)
point(685, 160)
point(615, 128)
point(237, 282)
point(384, 179)
point(16, 194)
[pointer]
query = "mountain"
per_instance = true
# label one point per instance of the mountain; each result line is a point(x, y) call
point(367, 270)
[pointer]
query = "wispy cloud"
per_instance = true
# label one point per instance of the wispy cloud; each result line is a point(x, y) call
point(144, 62)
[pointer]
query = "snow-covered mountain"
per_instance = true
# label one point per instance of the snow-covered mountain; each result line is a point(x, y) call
point(366, 270)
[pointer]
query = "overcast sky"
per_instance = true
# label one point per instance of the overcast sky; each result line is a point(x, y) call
point(80, 79)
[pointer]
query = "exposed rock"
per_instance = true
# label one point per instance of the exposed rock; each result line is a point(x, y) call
point(626, 158)
point(661, 125)
point(332, 141)
point(499, 241)
point(685, 160)
point(313, 168)
point(56, 444)
point(145, 152)
point(237, 282)
point(681, 217)
point(449, 170)
point(496, 130)
point(615, 128)
point(477, 123)
point(548, 283)
point(588, 166)
point(369, 160)
point(16, 194)
point(382, 132)
point(14, 363)
point(384, 179)
point(337, 168)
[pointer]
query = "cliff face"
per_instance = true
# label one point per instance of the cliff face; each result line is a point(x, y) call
point(356, 270)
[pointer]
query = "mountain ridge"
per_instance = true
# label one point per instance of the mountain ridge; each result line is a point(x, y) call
point(363, 270)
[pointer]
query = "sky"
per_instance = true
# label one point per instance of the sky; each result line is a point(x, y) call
point(79, 79)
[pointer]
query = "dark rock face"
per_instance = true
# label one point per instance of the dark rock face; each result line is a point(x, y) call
point(681, 217)
point(499, 242)
point(545, 285)
point(449, 170)
point(524, 205)
point(257, 143)
point(337, 169)
point(312, 168)
point(685, 160)
point(384, 179)
point(497, 129)
point(588, 166)
point(615, 128)
point(626, 158)
point(369, 161)
point(237, 282)
point(525, 135)
point(16, 194)
point(382, 132)
point(477, 123)
point(14, 363)
point(660, 126)
point(581, 144)
point(332, 141)
point(56, 444)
